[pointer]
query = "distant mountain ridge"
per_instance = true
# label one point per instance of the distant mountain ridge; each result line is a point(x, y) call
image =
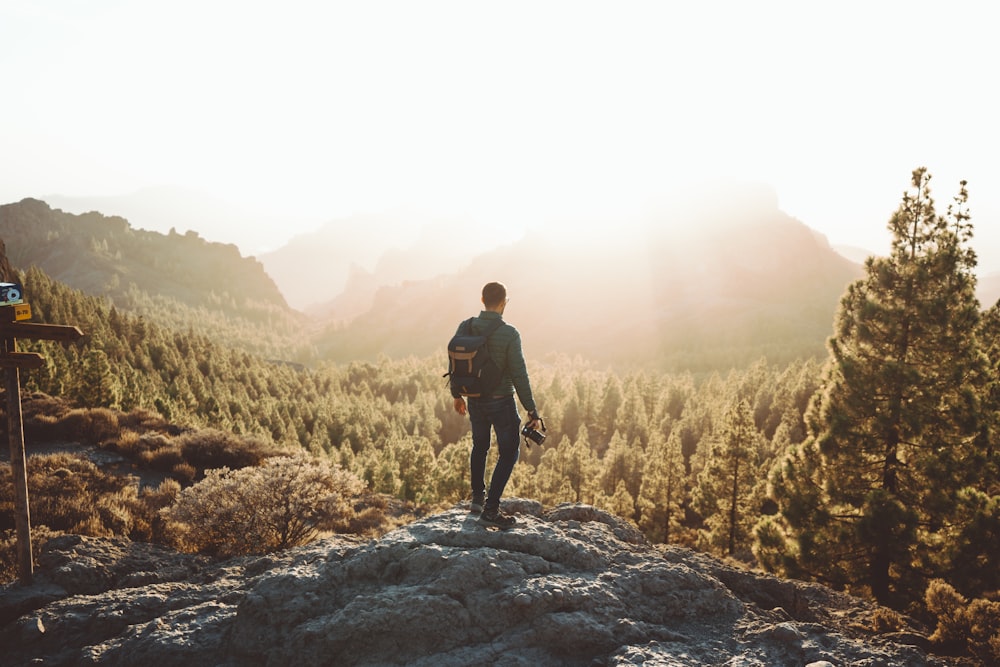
point(164, 208)
point(180, 280)
point(723, 280)
point(333, 271)
point(695, 286)
point(99, 254)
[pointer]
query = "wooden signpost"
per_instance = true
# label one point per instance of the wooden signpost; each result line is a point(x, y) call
point(12, 327)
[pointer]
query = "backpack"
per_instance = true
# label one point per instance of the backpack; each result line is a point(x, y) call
point(472, 370)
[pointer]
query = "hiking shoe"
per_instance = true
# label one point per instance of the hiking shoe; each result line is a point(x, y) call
point(476, 506)
point(497, 519)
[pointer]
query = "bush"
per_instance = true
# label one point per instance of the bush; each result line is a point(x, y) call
point(164, 459)
point(974, 626)
point(41, 415)
point(210, 448)
point(92, 426)
point(948, 605)
point(885, 620)
point(8, 550)
point(254, 510)
point(188, 455)
point(376, 514)
point(144, 421)
point(184, 473)
point(49, 418)
point(153, 500)
point(69, 493)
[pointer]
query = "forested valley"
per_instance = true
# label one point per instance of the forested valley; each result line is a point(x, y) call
point(873, 469)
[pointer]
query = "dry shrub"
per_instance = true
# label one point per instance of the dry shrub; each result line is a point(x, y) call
point(152, 501)
point(211, 448)
point(91, 526)
point(67, 493)
point(961, 625)
point(38, 403)
point(984, 630)
point(127, 444)
point(162, 496)
point(8, 556)
point(283, 503)
point(164, 459)
point(43, 428)
point(188, 455)
point(184, 473)
point(40, 535)
point(375, 514)
point(146, 421)
point(156, 453)
point(369, 522)
point(117, 511)
point(41, 415)
point(947, 604)
point(49, 418)
point(886, 620)
point(92, 425)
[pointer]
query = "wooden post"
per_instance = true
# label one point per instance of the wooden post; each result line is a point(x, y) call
point(18, 469)
point(12, 361)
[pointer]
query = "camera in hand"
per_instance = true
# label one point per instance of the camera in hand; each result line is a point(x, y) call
point(532, 434)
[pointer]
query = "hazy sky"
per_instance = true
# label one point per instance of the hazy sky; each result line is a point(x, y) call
point(511, 111)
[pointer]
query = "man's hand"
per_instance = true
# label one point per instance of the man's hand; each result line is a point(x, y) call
point(535, 421)
point(460, 406)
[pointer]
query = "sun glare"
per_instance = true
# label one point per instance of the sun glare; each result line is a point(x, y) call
point(517, 114)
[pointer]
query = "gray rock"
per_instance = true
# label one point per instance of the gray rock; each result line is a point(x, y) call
point(572, 586)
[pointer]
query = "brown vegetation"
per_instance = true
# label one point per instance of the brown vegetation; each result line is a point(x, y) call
point(288, 500)
point(963, 625)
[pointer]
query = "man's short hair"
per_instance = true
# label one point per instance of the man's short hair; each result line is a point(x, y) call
point(494, 294)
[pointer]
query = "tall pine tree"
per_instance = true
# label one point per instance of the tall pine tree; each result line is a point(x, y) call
point(725, 486)
point(662, 494)
point(893, 427)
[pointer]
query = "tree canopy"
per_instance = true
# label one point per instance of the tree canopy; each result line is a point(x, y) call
point(895, 431)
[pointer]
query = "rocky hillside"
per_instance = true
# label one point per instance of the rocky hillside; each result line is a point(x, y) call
point(178, 281)
point(571, 586)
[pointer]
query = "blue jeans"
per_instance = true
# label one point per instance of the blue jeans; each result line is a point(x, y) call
point(501, 415)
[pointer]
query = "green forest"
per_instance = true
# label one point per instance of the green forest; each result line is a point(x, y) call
point(873, 470)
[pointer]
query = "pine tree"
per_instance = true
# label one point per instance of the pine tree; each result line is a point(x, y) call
point(611, 400)
point(622, 464)
point(989, 333)
point(96, 386)
point(662, 495)
point(632, 419)
point(726, 484)
point(894, 424)
point(567, 471)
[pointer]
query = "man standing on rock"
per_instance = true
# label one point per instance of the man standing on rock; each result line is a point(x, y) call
point(497, 411)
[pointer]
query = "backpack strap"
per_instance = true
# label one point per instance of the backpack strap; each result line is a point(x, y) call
point(490, 330)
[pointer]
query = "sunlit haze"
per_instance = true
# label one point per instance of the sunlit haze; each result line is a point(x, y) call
point(513, 114)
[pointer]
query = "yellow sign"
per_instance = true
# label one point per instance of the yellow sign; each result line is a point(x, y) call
point(22, 311)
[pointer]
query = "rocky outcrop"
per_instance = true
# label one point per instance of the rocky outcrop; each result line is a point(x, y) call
point(571, 586)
